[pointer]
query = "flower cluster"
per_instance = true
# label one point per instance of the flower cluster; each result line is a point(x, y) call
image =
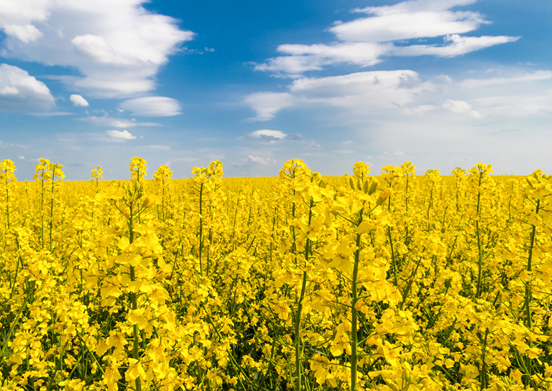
point(296, 282)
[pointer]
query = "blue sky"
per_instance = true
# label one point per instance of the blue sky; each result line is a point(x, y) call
point(440, 83)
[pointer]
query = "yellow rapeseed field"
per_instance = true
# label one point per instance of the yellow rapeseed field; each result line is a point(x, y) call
point(299, 282)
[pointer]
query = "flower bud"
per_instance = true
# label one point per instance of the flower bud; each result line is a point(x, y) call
point(146, 202)
point(126, 213)
point(383, 196)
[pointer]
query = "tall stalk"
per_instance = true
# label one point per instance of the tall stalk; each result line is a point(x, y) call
point(200, 228)
point(52, 206)
point(7, 205)
point(528, 293)
point(479, 249)
point(297, 342)
point(42, 213)
point(133, 298)
point(354, 314)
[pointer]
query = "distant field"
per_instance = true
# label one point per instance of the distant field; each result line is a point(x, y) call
point(383, 281)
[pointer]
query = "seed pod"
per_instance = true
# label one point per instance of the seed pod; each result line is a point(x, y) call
point(366, 186)
point(373, 188)
point(351, 183)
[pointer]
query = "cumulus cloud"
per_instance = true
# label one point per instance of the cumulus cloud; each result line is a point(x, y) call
point(459, 106)
point(20, 91)
point(120, 134)
point(78, 100)
point(267, 104)
point(27, 33)
point(364, 41)
point(118, 46)
point(152, 106)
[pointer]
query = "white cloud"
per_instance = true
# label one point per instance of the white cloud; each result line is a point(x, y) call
point(267, 104)
point(267, 135)
point(78, 100)
point(361, 92)
point(21, 157)
point(118, 134)
point(27, 33)
point(118, 46)
point(367, 91)
point(407, 20)
point(364, 41)
point(97, 49)
point(21, 92)
point(514, 105)
point(263, 161)
point(304, 58)
point(526, 77)
point(115, 122)
point(458, 46)
point(152, 106)
point(459, 106)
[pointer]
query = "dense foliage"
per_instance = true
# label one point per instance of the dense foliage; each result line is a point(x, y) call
point(300, 282)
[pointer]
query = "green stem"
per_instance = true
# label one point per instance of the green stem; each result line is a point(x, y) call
point(298, 362)
point(528, 293)
point(200, 229)
point(133, 298)
point(354, 312)
point(393, 256)
point(52, 209)
point(483, 374)
point(8, 204)
point(479, 250)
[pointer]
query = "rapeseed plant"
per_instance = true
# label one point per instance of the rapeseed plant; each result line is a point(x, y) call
point(391, 282)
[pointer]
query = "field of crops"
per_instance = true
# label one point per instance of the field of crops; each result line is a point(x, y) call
point(391, 281)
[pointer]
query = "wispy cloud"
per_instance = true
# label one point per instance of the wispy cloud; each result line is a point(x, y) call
point(152, 106)
point(365, 41)
point(367, 92)
point(267, 104)
point(116, 122)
